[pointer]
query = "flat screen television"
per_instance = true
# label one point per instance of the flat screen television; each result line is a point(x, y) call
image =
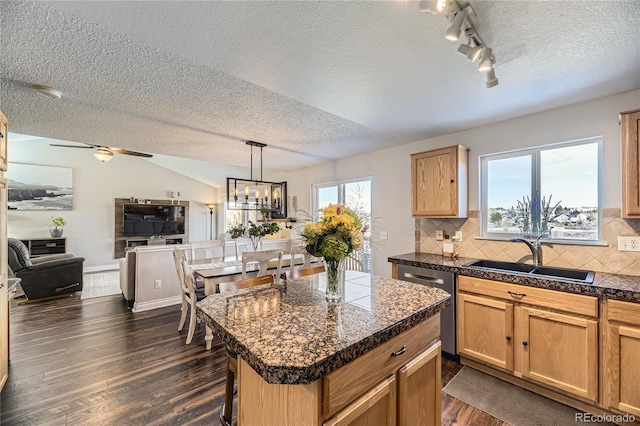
point(145, 220)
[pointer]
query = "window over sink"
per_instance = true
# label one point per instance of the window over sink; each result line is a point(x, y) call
point(550, 191)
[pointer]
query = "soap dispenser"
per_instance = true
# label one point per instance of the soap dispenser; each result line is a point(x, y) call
point(447, 247)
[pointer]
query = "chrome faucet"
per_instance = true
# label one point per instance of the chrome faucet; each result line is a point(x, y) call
point(535, 246)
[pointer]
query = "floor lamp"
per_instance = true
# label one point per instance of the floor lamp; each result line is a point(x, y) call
point(211, 207)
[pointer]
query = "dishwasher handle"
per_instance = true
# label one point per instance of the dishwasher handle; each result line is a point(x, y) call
point(423, 279)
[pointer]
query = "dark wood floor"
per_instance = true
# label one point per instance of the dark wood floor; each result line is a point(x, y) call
point(93, 362)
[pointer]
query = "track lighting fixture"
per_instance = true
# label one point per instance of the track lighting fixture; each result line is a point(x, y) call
point(433, 6)
point(491, 79)
point(453, 33)
point(486, 64)
point(461, 19)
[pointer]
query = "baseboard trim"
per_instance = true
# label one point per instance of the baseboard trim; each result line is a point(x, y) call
point(100, 268)
point(155, 304)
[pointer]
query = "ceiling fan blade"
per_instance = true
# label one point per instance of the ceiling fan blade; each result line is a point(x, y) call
point(127, 152)
point(71, 146)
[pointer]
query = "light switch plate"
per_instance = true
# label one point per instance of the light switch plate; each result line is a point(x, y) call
point(439, 235)
point(384, 236)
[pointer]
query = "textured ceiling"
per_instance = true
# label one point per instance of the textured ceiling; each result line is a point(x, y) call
point(315, 80)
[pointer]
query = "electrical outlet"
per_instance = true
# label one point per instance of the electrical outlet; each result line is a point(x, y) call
point(439, 235)
point(157, 284)
point(628, 243)
point(384, 236)
point(457, 236)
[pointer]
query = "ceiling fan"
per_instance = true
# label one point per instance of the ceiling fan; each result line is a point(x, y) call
point(105, 153)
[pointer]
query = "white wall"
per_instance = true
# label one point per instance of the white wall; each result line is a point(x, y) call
point(390, 168)
point(90, 225)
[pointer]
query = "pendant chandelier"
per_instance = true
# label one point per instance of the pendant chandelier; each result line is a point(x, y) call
point(268, 198)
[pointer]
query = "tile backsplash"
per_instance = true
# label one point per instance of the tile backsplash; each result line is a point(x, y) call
point(595, 258)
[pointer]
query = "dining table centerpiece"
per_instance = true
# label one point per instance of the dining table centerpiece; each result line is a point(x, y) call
point(255, 232)
point(334, 237)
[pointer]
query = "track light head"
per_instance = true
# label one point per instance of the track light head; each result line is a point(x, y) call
point(485, 63)
point(453, 33)
point(435, 7)
point(474, 53)
point(492, 81)
point(464, 49)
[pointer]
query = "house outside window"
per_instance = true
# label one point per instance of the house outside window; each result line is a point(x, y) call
point(550, 191)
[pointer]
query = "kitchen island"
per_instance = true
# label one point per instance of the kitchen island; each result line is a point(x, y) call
point(302, 361)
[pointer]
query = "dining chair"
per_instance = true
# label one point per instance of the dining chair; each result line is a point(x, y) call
point(304, 272)
point(226, 411)
point(242, 245)
point(353, 262)
point(190, 294)
point(208, 249)
point(263, 258)
point(297, 251)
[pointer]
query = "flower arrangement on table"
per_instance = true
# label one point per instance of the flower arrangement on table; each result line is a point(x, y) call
point(254, 231)
point(337, 234)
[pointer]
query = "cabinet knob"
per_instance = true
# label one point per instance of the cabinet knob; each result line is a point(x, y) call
point(1, 135)
point(452, 181)
point(524, 344)
point(508, 338)
point(400, 351)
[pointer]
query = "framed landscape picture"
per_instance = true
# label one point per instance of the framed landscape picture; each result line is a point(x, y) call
point(31, 187)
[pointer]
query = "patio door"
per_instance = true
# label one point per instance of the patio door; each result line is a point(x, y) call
point(355, 194)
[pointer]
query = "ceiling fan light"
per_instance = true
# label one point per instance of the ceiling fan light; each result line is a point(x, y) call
point(485, 63)
point(492, 81)
point(433, 6)
point(453, 33)
point(103, 155)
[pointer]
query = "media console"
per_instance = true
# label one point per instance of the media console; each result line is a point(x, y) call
point(155, 222)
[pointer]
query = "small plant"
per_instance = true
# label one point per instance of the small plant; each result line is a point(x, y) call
point(57, 221)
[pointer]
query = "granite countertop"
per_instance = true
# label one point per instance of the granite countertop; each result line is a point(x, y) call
point(612, 286)
point(289, 334)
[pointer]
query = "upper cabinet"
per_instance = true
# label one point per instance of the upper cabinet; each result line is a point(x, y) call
point(630, 122)
point(3, 142)
point(439, 182)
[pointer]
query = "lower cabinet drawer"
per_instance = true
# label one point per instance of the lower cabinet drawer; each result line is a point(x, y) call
point(552, 299)
point(352, 380)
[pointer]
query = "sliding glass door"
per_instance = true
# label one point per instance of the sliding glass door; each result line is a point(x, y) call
point(355, 194)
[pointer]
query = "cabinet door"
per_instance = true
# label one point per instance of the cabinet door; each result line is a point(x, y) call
point(4, 302)
point(376, 407)
point(622, 373)
point(438, 180)
point(485, 330)
point(419, 388)
point(559, 350)
point(630, 123)
point(3, 142)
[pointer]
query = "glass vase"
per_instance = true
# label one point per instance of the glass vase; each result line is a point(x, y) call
point(335, 279)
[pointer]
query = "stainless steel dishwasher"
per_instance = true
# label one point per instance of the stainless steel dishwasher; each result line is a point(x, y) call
point(447, 282)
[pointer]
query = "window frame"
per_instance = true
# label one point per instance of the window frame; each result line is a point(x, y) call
point(535, 153)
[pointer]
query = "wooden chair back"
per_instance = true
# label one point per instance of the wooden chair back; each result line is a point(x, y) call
point(263, 258)
point(249, 282)
point(242, 245)
point(180, 257)
point(304, 272)
point(208, 249)
point(300, 257)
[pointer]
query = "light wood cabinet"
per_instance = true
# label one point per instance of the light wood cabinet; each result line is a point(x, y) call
point(485, 330)
point(4, 298)
point(396, 383)
point(4, 129)
point(541, 335)
point(630, 123)
point(439, 182)
point(622, 353)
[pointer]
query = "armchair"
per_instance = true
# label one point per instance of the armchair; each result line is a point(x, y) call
point(44, 276)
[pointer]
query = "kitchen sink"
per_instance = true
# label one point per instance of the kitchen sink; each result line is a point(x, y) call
point(541, 271)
